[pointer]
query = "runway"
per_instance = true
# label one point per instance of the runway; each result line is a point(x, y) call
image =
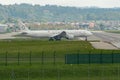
point(7, 36)
point(108, 37)
point(111, 38)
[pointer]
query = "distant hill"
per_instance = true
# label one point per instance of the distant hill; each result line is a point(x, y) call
point(53, 13)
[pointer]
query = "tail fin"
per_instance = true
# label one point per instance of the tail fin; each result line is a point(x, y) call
point(22, 26)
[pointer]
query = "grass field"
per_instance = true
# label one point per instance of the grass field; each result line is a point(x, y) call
point(24, 67)
point(46, 46)
point(61, 72)
point(114, 31)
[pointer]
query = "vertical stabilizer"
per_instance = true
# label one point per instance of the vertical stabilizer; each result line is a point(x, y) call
point(22, 26)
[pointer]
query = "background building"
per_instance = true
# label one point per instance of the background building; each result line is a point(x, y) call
point(3, 27)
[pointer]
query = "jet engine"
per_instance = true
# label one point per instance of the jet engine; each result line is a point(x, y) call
point(69, 36)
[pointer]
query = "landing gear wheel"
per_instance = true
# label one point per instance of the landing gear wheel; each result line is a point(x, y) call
point(86, 38)
point(51, 39)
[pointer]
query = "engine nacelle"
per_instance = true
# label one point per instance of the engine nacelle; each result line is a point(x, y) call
point(70, 36)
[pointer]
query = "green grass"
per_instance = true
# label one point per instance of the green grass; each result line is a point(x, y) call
point(50, 70)
point(38, 46)
point(60, 72)
point(46, 46)
point(114, 31)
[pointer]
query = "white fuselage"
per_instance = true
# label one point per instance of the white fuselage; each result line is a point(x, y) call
point(51, 33)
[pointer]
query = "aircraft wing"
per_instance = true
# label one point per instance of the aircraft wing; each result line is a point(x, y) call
point(59, 36)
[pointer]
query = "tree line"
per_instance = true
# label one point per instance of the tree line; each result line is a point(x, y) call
point(52, 13)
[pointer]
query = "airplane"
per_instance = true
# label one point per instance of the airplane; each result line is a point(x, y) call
point(55, 34)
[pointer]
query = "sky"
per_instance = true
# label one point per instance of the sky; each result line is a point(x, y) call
point(72, 3)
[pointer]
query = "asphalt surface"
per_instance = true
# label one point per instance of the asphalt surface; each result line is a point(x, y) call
point(110, 38)
point(8, 35)
point(103, 45)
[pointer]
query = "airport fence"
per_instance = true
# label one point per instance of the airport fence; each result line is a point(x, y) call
point(30, 58)
point(92, 58)
point(50, 69)
point(45, 58)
